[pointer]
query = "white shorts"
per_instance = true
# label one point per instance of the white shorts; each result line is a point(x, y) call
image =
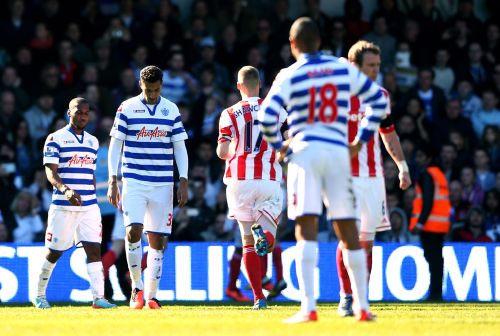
point(118, 227)
point(66, 228)
point(148, 205)
point(249, 199)
point(318, 176)
point(372, 206)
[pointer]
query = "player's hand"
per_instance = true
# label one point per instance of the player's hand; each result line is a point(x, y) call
point(73, 197)
point(281, 154)
point(404, 180)
point(182, 192)
point(113, 194)
point(354, 148)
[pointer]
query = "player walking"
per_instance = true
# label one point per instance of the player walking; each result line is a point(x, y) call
point(149, 129)
point(252, 176)
point(368, 177)
point(69, 156)
point(316, 91)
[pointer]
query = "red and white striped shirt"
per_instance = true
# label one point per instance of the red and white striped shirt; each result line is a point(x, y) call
point(253, 158)
point(368, 162)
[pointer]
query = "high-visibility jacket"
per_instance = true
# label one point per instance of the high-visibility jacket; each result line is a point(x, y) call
point(439, 217)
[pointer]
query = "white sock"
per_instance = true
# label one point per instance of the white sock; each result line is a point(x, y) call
point(355, 262)
point(153, 272)
point(44, 277)
point(134, 258)
point(96, 275)
point(305, 263)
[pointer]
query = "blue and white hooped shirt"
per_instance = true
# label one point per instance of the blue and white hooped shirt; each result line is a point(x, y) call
point(76, 157)
point(148, 132)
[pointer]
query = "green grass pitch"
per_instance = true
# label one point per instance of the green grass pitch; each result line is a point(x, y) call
point(222, 319)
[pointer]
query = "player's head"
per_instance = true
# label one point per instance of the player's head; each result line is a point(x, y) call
point(366, 56)
point(248, 81)
point(78, 112)
point(304, 36)
point(151, 82)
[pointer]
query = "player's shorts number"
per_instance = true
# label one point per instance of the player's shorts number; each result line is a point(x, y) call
point(328, 96)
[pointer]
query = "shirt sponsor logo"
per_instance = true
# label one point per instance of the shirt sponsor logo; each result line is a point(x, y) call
point(80, 160)
point(154, 133)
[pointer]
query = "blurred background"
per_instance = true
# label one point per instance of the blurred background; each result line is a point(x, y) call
point(440, 63)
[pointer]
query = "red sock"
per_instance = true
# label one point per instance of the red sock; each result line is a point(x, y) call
point(263, 265)
point(144, 261)
point(252, 264)
point(108, 260)
point(369, 264)
point(234, 270)
point(344, 281)
point(278, 263)
point(269, 237)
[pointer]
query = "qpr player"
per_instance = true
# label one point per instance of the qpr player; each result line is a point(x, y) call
point(315, 91)
point(149, 129)
point(69, 156)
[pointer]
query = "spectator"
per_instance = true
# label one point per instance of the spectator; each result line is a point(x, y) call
point(67, 65)
point(492, 44)
point(491, 143)
point(139, 60)
point(381, 37)
point(472, 191)
point(262, 39)
point(81, 52)
point(399, 228)
point(24, 151)
point(484, 174)
point(492, 214)
point(453, 120)
point(4, 233)
point(12, 82)
point(29, 226)
point(178, 84)
point(337, 40)
point(128, 88)
point(444, 75)
point(207, 46)
point(42, 43)
point(8, 115)
point(160, 42)
point(432, 97)
point(447, 162)
point(108, 70)
point(40, 116)
point(16, 30)
point(459, 206)
point(219, 231)
point(488, 115)
point(474, 229)
point(229, 49)
point(471, 103)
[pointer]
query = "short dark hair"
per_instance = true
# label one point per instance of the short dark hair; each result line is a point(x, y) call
point(151, 74)
point(305, 33)
point(359, 49)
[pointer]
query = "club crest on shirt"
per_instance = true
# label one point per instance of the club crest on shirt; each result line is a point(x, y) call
point(164, 111)
point(89, 141)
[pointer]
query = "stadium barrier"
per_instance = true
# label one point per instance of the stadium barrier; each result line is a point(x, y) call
point(199, 272)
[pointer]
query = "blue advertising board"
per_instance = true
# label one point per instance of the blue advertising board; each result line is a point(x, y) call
point(199, 272)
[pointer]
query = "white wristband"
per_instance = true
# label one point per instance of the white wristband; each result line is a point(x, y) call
point(403, 166)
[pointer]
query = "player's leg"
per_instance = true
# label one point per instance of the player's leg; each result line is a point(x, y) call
point(158, 225)
point(58, 238)
point(252, 264)
point(341, 204)
point(117, 243)
point(232, 291)
point(134, 202)
point(280, 284)
point(304, 205)
point(89, 233)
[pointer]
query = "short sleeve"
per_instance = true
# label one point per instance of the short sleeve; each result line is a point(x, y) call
point(51, 150)
point(178, 131)
point(226, 128)
point(119, 129)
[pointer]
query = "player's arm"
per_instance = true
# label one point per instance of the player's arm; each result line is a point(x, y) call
point(269, 113)
point(226, 131)
point(393, 146)
point(370, 93)
point(118, 135)
point(179, 135)
point(53, 177)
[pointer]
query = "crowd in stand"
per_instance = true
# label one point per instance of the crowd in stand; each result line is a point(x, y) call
point(440, 63)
